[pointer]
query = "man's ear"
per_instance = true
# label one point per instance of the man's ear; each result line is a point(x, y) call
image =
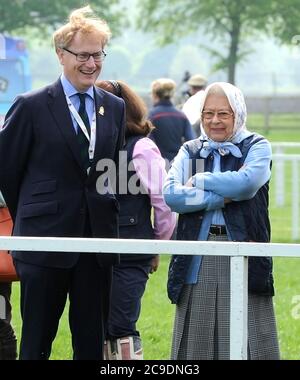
point(60, 54)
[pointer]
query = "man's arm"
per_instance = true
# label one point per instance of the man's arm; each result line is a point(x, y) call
point(15, 139)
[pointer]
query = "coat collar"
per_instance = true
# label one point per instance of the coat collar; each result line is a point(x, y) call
point(61, 114)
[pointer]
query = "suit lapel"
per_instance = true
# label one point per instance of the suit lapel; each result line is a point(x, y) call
point(61, 114)
point(102, 127)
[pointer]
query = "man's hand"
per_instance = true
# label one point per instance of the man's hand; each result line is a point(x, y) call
point(154, 264)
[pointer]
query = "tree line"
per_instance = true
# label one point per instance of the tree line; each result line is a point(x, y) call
point(231, 22)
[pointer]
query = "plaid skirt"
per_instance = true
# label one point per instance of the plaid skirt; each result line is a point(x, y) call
point(202, 320)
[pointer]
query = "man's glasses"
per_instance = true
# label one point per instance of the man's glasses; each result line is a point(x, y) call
point(84, 57)
point(221, 115)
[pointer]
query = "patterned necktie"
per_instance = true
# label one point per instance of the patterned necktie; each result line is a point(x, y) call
point(82, 140)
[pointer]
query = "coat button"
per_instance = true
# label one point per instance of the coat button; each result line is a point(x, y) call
point(131, 220)
point(82, 211)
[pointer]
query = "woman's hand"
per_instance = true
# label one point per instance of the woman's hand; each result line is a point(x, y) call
point(189, 182)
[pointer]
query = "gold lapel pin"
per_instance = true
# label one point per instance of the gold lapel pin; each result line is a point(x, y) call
point(101, 110)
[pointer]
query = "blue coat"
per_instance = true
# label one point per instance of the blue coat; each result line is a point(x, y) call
point(172, 128)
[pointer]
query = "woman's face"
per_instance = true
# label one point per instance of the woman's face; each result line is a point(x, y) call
point(217, 118)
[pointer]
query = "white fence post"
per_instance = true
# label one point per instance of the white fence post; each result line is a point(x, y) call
point(280, 159)
point(279, 177)
point(278, 148)
point(238, 308)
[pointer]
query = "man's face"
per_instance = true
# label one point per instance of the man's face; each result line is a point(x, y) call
point(82, 75)
point(194, 90)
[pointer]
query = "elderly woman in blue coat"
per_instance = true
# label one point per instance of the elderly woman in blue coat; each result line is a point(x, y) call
point(219, 185)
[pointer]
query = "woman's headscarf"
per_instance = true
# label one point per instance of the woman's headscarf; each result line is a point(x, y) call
point(238, 105)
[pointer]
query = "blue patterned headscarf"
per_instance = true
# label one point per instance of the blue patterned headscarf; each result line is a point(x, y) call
point(238, 105)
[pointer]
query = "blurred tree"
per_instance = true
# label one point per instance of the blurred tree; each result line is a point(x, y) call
point(117, 63)
point(44, 15)
point(230, 21)
point(286, 16)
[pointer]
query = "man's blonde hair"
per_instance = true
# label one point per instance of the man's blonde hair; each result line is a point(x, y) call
point(84, 21)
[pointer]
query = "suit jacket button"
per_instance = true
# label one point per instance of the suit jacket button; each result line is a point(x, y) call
point(132, 220)
point(82, 211)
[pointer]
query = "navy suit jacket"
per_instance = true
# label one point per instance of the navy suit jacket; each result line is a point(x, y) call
point(43, 181)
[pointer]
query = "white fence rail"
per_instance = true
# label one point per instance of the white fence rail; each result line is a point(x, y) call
point(239, 265)
point(279, 147)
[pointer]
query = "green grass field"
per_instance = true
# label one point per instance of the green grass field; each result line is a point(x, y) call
point(156, 319)
point(287, 124)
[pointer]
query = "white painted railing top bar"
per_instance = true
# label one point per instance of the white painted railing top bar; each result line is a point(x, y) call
point(144, 246)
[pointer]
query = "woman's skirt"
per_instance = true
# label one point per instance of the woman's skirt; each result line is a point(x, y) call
point(202, 321)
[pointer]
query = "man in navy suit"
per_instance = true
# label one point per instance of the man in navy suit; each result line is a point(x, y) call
point(50, 145)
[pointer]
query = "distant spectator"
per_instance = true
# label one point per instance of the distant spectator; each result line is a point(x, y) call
point(197, 83)
point(191, 107)
point(185, 94)
point(172, 127)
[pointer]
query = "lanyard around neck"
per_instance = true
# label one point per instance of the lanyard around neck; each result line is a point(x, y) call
point(92, 138)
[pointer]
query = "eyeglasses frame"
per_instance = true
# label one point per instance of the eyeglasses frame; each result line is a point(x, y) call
point(102, 57)
point(218, 116)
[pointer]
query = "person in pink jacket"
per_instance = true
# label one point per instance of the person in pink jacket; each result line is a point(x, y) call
point(141, 177)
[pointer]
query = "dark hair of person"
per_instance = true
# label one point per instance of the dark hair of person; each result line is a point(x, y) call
point(136, 110)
